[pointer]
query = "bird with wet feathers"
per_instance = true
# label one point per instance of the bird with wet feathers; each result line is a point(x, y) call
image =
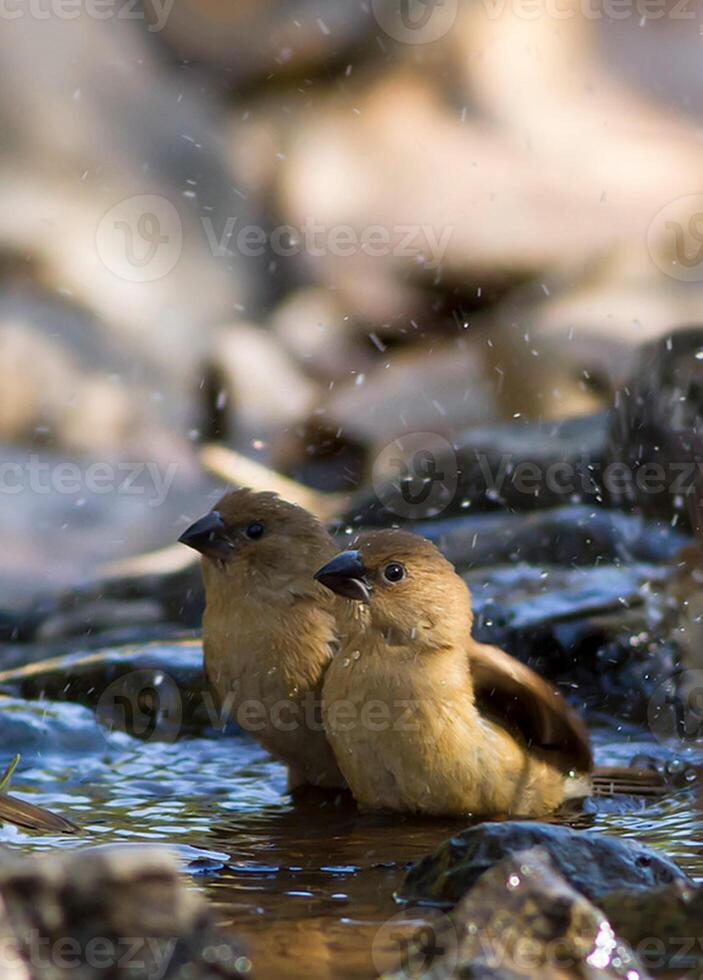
point(269, 629)
point(424, 719)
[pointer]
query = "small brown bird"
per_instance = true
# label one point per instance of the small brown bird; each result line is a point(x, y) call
point(269, 629)
point(424, 719)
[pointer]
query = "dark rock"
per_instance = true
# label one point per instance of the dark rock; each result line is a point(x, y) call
point(656, 431)
point(170, 577)
point(592, 863)
point(98, 615)
point(522, 919)
point(520, 466)
point(570, 535)
point(522, 597)
point(149, 691)
point(593, 630)
point(102, 912)
point(157, 591)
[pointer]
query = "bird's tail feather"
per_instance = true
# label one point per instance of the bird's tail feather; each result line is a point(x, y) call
point(33, 817)
point(627, 781)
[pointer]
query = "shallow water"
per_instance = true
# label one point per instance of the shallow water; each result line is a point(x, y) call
point(307, 884)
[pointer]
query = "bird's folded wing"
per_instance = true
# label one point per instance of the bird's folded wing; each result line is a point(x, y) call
point(32, 817)
point(513, 695)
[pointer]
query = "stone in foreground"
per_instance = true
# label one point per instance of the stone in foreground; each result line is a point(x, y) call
point(591, 863)
point(521, 920)
point(107, 911)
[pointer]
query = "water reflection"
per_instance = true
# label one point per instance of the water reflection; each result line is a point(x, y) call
point(306, 882)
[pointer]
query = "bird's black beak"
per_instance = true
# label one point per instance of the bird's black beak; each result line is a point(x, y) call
point(209, 537)
point(346, 575)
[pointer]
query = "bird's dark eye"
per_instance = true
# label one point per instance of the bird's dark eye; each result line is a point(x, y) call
point(255, 530)
point(394, 572)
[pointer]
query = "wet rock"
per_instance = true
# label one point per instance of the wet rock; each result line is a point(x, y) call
point(149, 692)
point(591, 863)
point(99, 615)
point(602, 667)
point(598, 632)
point(518, 598)
point(520, 919)
point(15, 655)
point(152, 594)
point(663, 924)
point(171, 577)
point(656, 432)
point(47, 734)
point(103, 911)
point(514, 601)
point(521, 466)
point(522, 606)
point(571, 535)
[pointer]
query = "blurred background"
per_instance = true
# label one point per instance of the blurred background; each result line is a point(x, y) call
point(302, 228)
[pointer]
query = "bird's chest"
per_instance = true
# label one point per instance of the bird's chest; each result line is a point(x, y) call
point(258, 654)
point(241, 662)
point(387, 733)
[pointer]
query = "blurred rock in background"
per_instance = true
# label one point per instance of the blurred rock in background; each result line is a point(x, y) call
point(300, 230)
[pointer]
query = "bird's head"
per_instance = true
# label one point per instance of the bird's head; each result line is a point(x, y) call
point(405, 587)
point(259, 537)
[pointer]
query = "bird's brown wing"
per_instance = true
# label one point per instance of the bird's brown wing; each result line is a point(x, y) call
point(33, 817)
point(514, 696)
